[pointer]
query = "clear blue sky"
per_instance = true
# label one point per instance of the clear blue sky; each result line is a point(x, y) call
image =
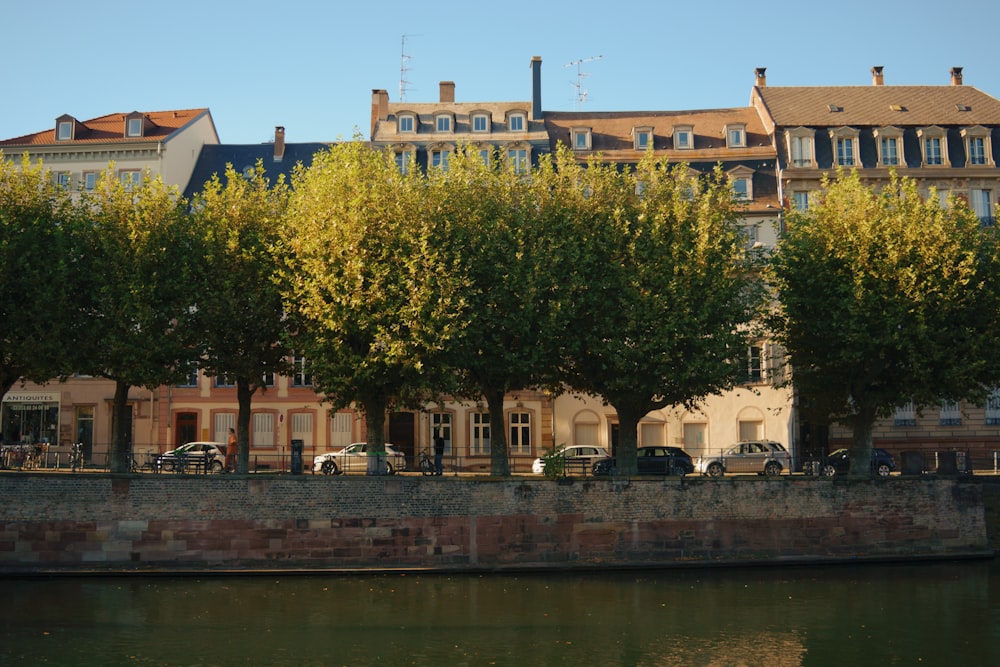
point(311, 65)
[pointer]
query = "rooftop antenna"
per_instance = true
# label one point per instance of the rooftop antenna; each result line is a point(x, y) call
point(403, 69)
point(581, 93)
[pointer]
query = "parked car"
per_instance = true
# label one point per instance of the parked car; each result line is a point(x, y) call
point(206, 456)
point(579, 458)
point(764, 457)
point(653, 461)
point(354, 458)
point(838, 462)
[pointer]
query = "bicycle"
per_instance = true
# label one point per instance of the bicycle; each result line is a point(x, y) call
point(427, 464)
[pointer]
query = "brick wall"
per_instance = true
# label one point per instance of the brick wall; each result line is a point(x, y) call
point(61, 521)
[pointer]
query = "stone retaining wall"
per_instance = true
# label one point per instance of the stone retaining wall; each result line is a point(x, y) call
point(52, 522)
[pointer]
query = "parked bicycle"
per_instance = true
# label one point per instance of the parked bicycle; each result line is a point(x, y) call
point(427, 464)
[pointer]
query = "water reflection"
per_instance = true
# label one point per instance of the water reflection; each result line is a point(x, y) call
point(942, 614)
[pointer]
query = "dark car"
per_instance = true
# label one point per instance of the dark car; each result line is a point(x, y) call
point(838, 462)
point(652, 461)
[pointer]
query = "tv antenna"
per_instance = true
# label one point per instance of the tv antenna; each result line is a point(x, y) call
point(403, 69)
point(581, 93)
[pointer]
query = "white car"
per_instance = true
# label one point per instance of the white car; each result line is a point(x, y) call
point(764, 457)
point(208, 456)
point(354, 458)
point(579, 458)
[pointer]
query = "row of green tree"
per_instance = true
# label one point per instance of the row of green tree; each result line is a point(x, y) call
point(400, 287)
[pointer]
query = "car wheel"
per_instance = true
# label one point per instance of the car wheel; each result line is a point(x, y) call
point(388, 469)
point(883, 470)
point(772, 469)
point(828, 471)
point(329, 468)
point(217, 467)
point(715, 469)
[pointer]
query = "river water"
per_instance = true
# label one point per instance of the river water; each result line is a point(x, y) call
point(886, 614)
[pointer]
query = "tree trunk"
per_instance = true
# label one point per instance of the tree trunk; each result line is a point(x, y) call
point(374, 407)
point(499, 463)
point(244, 399)
point(861, 447)
point(119, 455)
point(628, 428)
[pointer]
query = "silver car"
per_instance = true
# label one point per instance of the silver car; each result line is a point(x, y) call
point(764, 457)
point(194, 457)
point(578, 458)
point(354, 458)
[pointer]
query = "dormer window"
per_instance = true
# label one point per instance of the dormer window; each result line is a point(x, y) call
point(580, 136)
point(736, 136)
point(480, 122)
point(890, 146)
point(64, 130)
point(977, 146)
point(845, 146)
point(517, 122)
point(683, 137)
point(134, 128)
point(741, 180)
point(406, 123)
point(439, 156)
point(934, 146)
point(800, 147)
point(642, 138)
point(442, 123)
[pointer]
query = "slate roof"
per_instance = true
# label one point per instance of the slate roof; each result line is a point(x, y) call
point(385, 131)
point(110, 129)
point(214, 158)
point(873, 105)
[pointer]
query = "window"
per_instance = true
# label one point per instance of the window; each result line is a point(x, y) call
point(982, 204)
point(480, 122)
point(439, 158)
point(441, 424)
point(442, 123)
point(64, 180)
point(64, 131)
point(642, 138)
point(301, 377)
point(906, 415)
point(755, 364)
point(741, 188)
point(403, 159)
point(950, 415)
point(480, 433)
point(741, 181)
point(800, 147)
point(263, 430)
point(977, 146)
point(484, 155)
point(934, 144)
point(89, 180)
point(889, 142)
point(405, 123)
point(130, 178)
point(518, 160)
point(516, 122)
point(134, 127)
point(224, 382)
point(683, 138)
point(800, 200)
point(520, 433)
point(845, 151)
point(581, 138)
point(993, 408)
point(736, 136)
point(191, 378)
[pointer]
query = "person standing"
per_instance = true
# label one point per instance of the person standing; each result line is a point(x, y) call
point(438, 453)
point(231, 447)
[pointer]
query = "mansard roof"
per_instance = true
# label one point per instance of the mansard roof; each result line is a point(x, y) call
point(158, 126)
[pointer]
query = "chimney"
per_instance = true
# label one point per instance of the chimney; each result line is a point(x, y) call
point(380, 108)
point(447, 92)
point(877, 78)
point(279, 143)
point(956, 76)
point(761, 77)
point(536, 88)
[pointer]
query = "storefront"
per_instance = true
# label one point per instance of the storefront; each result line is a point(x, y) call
point(30, 418)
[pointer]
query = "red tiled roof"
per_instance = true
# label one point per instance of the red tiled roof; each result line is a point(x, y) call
point(111, 129)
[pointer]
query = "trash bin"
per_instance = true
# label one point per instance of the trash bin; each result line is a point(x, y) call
point(912, 463)
point(296, 457)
